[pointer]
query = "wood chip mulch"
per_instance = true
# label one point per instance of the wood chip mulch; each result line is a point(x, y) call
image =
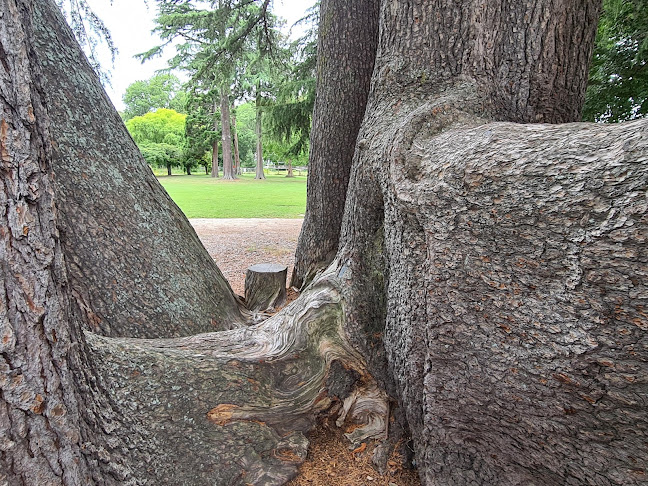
point(331, 462)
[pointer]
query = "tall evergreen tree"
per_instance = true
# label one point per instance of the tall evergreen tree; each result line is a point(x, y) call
point(290, 114)
point(213, 35)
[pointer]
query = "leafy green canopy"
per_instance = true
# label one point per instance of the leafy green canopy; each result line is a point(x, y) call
point(160, 126)
point(618, 85)
point(211, 35)
point(200, 133)
point(160, 136)
point(160, 91)
point(290, 115)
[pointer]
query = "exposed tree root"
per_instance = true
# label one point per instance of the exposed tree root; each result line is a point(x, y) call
point(237, 403)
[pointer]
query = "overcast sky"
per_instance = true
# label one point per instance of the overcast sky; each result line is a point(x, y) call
point(130, 22)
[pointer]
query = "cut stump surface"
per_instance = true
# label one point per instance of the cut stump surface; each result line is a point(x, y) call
point(265, 286)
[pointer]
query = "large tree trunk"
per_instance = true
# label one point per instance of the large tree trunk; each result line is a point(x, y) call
point(54, 414)
point(77, 408)
point(495, 268)
point(346, 50)
point(228, 169)
point(131, 253)
point(259, 138)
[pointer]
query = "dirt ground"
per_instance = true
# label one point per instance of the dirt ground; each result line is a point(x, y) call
point(235, 244)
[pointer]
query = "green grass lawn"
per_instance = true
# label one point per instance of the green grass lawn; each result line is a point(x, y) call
point(200, 196)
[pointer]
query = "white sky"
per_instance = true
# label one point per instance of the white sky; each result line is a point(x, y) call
point(130, 22)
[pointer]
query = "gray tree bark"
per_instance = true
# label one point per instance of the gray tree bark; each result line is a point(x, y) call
point(348, 35)
point(497, 285)
point(77, 408)
point(228, 168)
point(491, 279)
point(152, 277)
point(259, 138)
point(214, 171)
point(265, 286)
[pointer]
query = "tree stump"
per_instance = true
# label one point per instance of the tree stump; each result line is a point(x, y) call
point(265, 286)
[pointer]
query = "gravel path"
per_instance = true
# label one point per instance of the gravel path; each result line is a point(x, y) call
point(235, 244)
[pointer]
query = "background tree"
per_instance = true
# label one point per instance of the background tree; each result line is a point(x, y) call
point(162, 155)
point(291, 112)
point(618, 86)
point(159, 126)
point(347, 42)
point(160, 91)
point(160, 136)
point(201, 130)
point(245, 124)
point(213, 36)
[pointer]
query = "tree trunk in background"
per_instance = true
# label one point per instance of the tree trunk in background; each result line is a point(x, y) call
point(214, 172)
point(348, 36)
point(228, 169)
point(169, 170)
point(237, 156)
point(259, 139)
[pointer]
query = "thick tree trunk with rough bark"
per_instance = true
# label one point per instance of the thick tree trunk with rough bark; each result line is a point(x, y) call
point(348, 35)
point(259, 140)
point(77, 408)
point(505, 263)
point(131, 253)
point(228, 168)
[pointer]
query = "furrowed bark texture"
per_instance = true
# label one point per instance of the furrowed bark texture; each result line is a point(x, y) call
point(77, 408)
point(346, 51)
point(259, 140)
point(57, 426)
point(228, 168)
point(511, 258)
point(131, 253)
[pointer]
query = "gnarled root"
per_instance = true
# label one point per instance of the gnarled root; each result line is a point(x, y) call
point(234, 405)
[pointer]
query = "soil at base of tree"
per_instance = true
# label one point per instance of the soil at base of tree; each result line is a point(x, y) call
point(330, 461)
point(235, 244)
